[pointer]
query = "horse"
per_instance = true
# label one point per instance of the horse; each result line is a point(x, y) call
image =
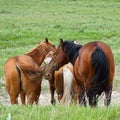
point(12, 74)
point(50, 75)
point(61, 81)
point(93, 68)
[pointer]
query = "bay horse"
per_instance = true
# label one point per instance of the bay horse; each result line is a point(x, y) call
point(93, 67)
point(12, 74)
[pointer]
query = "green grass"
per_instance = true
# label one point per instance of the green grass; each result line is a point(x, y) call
point(58, 113)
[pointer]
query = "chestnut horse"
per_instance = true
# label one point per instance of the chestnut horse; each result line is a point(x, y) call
point(60, 80)
point(93, 67)
point(12, 75)
point(64, 84)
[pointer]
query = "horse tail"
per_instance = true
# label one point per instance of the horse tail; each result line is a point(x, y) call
point(101, 71)
point(30, 72)
point(68, 78)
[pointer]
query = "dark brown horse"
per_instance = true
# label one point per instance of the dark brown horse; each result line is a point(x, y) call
point(93, 69)
point(12, 75)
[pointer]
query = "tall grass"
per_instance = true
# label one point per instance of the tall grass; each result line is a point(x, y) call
point(58, 113)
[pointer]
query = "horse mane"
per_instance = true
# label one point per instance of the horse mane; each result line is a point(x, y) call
point(39, 47)
point(31, 72)
point(71, 49)
point(35, 50)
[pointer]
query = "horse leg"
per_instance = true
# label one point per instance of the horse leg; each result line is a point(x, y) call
point(74, 98)
point(91, 94)
point(22, 96)
point(108, 93)
point(37, 96)
point(30, 98)
point(92, 101)
point(81, 94)
point(52, 90)
point(14, 92)
point(82, 100)
point(13, 98)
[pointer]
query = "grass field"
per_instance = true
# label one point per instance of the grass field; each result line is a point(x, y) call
point(58, 113)
point(23, 23)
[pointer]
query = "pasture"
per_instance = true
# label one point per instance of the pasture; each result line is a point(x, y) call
point(24, 23)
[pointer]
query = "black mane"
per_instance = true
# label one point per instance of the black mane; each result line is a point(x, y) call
point(72, 50)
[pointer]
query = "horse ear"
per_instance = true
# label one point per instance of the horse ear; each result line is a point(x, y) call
point(46, 40)
point(61, 41)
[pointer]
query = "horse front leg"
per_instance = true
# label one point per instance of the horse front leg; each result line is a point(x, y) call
point(37, 97)
point(52, 91)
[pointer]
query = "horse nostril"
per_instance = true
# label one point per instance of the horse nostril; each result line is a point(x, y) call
point(48, 75)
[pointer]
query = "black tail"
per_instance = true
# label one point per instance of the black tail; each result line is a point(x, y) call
point(101, 70)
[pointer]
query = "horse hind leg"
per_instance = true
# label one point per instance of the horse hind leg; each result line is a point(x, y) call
point(81, 94)
point(92, 101)
point(13, 98)
point(108, 97)
point(30, 98)
point(13, 93)
point(33, 97)
point(92, 97)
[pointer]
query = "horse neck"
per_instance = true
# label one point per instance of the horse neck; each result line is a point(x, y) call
point(37, 55)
